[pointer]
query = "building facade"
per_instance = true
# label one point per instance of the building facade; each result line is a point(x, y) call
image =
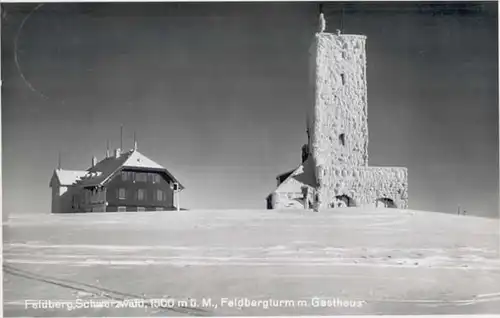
point(119, 183)
point(334, 170)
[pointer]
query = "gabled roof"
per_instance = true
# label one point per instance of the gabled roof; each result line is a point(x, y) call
point(303, 174)
point(108, 167)
point(66, 177)
point(285, 175)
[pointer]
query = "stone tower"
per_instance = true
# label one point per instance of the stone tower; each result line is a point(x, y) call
point(339, 129)
point(335, 160)
point(340, 115)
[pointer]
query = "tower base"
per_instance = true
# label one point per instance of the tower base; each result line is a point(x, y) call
point(341, 186)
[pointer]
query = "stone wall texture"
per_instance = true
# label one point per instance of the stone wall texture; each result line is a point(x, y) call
point(340, 128)
point(364, 185)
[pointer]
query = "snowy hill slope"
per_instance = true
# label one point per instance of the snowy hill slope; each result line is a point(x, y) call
point(384, 261)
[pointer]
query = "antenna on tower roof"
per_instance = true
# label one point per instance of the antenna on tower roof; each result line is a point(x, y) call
point(322, 21)
point(341, 20)
point(59, 161)
point(107, 148)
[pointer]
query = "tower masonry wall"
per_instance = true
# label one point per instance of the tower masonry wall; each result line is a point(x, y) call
point(364, 185)
point(340, 121)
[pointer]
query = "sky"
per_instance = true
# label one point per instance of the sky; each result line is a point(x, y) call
point(217, 93)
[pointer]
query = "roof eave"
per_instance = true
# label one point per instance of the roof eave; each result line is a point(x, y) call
point(285, 173)
point(106, 180)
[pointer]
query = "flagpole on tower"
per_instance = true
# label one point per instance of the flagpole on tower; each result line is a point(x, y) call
point(322, 21)
point(342, 19)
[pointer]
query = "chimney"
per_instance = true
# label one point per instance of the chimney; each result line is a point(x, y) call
point(135, 141)
point(107, 149)
point(94, 161)
point(117, 152)
point(305, 153)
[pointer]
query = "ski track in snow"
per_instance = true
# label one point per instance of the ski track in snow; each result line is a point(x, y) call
point(280, 247)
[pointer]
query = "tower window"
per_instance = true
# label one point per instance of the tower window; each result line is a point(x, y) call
point(342, 139)
point(342, 76)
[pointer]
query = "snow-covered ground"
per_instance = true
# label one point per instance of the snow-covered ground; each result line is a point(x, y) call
point(347, 261)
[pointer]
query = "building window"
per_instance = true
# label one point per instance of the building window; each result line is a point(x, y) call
point(342, 139)
point(156, 178)
point(158, 209)
point(122, 193)
point(122, 209)
point(124, 175)
point(159, 195)
point(141, 177)
point(141, 194)
point(141, 209)
point(342, 76)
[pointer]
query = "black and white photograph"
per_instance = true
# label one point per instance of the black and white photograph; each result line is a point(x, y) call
point(250, 158)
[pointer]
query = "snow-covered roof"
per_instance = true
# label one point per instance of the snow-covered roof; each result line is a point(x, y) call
point(68, 177)
point(107, 167)
point(285, 175)
point(138, 160)
point(302, 175)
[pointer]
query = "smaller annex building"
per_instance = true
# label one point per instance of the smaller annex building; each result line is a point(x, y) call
point(295, 188)
point(121, 182)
